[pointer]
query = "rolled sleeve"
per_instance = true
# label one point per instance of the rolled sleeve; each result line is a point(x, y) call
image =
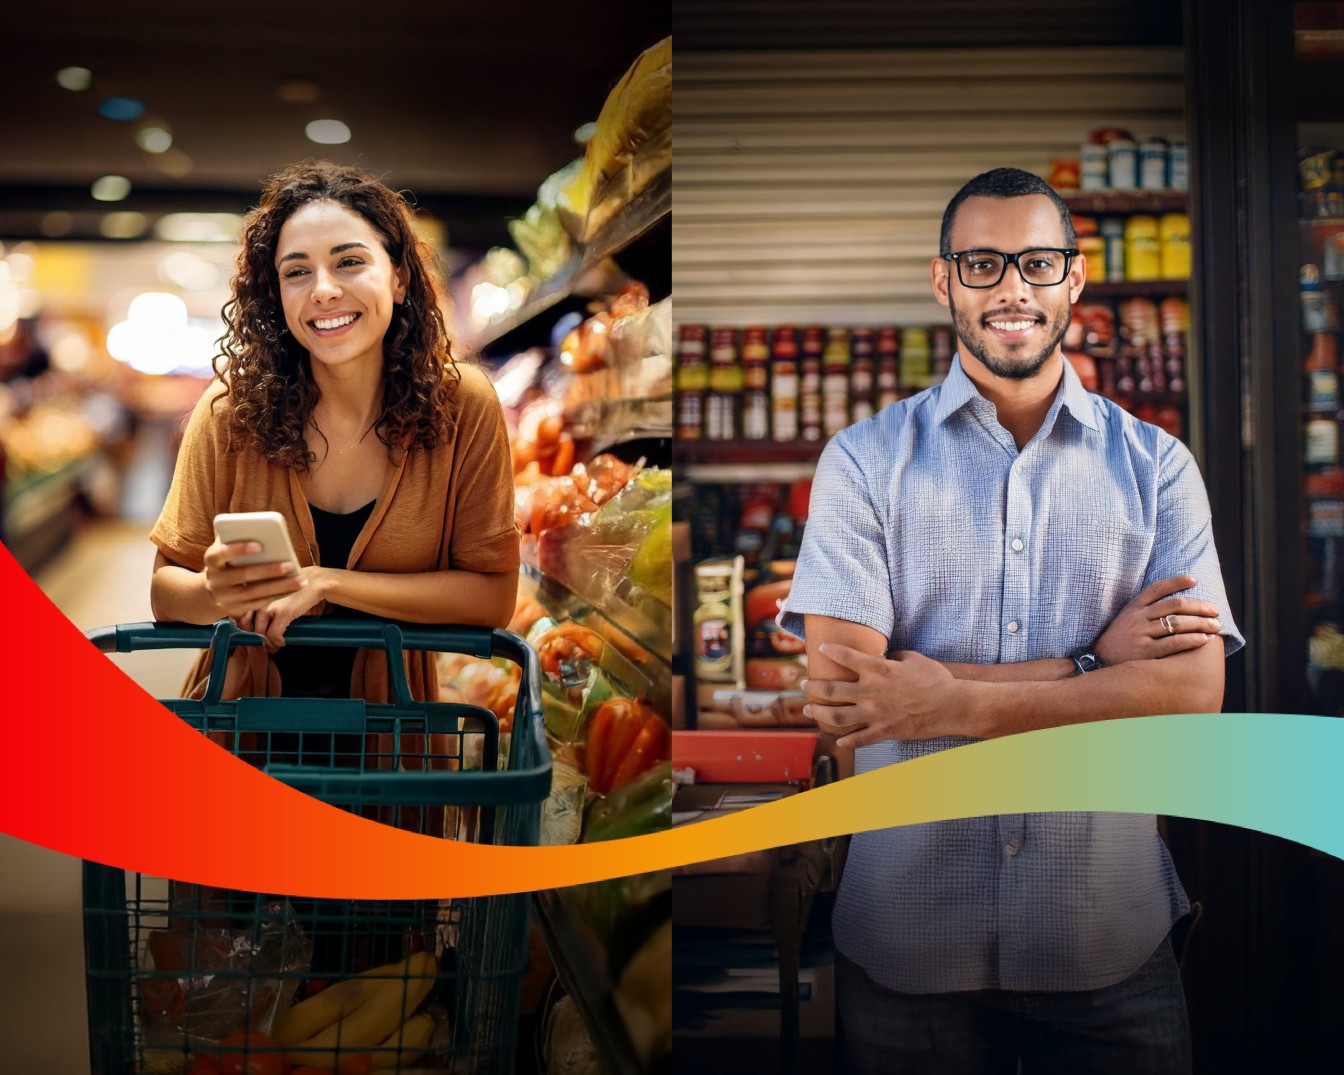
point(843, 570)
point(1184, 536)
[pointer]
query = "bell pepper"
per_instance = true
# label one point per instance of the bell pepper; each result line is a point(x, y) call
point(625, 738)
point(643, 806)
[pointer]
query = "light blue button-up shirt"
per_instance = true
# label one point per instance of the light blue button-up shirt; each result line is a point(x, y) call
point(929, 526)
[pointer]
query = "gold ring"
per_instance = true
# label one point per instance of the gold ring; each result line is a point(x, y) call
point(1166, 622)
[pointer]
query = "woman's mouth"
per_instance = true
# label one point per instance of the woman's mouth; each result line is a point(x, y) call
point(333, 326)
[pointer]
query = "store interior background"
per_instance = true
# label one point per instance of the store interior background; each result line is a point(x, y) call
point(466, 106)
point(816, 148)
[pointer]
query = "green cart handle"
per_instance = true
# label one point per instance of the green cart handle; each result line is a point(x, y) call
point(529, 748)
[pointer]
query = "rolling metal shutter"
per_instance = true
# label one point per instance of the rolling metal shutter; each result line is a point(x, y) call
point(809, 186)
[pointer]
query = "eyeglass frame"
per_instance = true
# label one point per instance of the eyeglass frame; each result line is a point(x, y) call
point(1069, 252)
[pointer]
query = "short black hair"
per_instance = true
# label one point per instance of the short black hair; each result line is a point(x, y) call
point(1003, 183)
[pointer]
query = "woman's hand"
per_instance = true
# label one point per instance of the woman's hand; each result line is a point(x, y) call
point(1140, 631)
point(274, 619)
point(236, 590)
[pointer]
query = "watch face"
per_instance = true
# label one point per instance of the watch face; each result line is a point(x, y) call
point(1087, 662)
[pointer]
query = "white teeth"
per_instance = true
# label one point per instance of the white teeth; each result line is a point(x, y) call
point(1012, 326)
point(334, 322)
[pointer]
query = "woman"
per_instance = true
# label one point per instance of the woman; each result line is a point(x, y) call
point(338, 404)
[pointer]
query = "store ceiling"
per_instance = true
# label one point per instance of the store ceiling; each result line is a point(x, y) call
point(469, 106)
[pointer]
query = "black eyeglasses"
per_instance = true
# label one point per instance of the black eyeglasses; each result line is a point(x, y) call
point(1045, 266)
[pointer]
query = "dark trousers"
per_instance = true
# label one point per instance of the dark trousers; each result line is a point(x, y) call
point(1136, 1027)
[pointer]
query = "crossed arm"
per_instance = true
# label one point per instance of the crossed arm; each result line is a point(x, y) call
point(857, 692)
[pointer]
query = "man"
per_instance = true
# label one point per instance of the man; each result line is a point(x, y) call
point(985, 532)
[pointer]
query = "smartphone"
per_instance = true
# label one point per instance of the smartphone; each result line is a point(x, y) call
point(266, 527)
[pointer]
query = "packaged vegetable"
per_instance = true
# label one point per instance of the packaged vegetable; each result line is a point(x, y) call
point(625, 738)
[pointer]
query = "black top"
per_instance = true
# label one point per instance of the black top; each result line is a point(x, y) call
point(319, 671)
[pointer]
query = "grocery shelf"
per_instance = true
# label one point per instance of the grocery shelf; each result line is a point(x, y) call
point(747, 451)
point(579, 961)
point(579, 274)
point(1126, 201)
point(614, 421)
point(1124, 289)
point(639, 650)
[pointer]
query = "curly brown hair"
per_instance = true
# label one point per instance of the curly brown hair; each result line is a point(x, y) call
point(267, 374)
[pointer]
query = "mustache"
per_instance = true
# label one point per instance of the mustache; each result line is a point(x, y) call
point(1012, 315)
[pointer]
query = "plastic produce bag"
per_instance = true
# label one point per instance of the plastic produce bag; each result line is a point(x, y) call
point(206, 983)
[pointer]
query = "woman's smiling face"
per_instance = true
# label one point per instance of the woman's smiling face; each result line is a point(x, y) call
point(337, 285)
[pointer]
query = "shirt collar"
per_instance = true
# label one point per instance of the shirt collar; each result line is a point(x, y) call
point(958, 389)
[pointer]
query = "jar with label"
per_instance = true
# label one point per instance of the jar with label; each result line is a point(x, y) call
point(1122, 159)
point(809, 383)
point(755, 384)
point(1322, 442)
point(1143, 248)
point(784, 384)
point(888, 366)
point(835, 382)
point(861, 374)
point(1325, 503)
point(915, 358)
point(1318, 312)
point(1093, 168)
point(725, 386)
point(692, 382)
point(713, 621)
point(1174, 237)
point(1178, 166)
point(1153, 164)
point(1112, 230)
point(1322, 373)
point(1093, 247)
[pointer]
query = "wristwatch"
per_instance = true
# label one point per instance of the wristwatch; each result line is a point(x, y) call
point(1085, 660)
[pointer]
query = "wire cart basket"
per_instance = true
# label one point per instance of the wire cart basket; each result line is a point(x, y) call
point(183, 978)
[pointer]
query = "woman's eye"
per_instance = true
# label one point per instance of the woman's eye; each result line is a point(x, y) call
point(346, 263)
point(290, 274)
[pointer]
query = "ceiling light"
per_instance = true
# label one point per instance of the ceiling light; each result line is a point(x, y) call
point(153, 139)
point(121, 109)
point(123, 225)
point(327, 132)
point(174, 163)
point(110, 188)
point(199, 228)
point(76, 79)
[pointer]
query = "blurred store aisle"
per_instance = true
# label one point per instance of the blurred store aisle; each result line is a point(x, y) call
point(101, 578)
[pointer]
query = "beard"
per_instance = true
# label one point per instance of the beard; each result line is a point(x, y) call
point(1017, 367)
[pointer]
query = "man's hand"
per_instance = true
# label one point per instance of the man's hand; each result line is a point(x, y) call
point(1140, 630)
point(908, 697)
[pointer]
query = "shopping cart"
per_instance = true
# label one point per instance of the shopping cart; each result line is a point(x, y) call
point(180, 976)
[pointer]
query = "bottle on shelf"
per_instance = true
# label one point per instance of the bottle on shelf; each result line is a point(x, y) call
point(941, 349)
point(835, 365)
point(809, 383)
point(888, 366)
point(1322, 374)
point(784, 384)
point(861, 374)
point(755, 385)
point(915, 370)
point(725, 386)
point(692, 382)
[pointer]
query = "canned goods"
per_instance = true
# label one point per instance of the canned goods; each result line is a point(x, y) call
point(1153, 164)
point(1178, 166)
point(1143, 253)
point(1174, 233)
point(1093, 169)
point(1123, 163)
point(1093, 247)
point(1113, 232)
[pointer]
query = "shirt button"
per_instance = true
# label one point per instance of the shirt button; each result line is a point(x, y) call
point(1012, 627)
point(1012, 847)
point(1017, 544)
